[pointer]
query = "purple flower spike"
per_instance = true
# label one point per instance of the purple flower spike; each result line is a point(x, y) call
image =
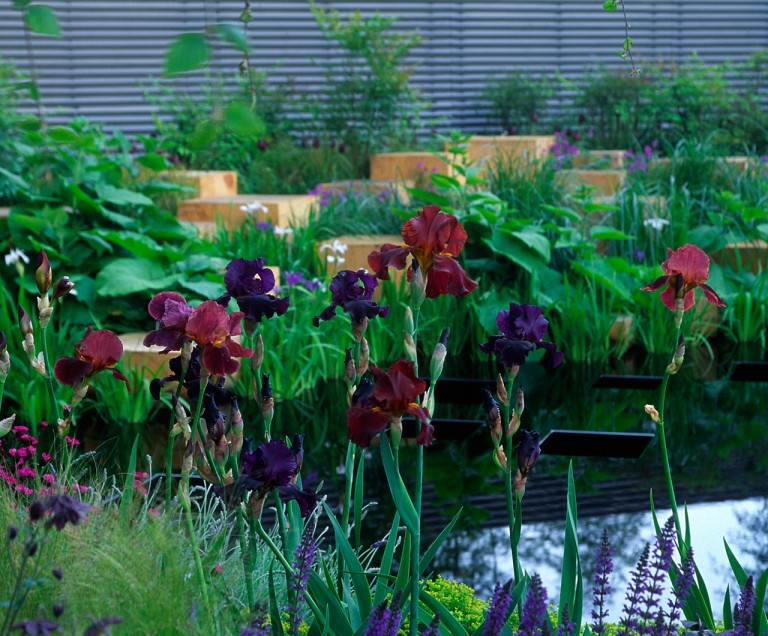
point(522, 329)
point(534, 615)
point(497, 609)
point(742, 618)
point(433, 629)
point(637, 584)
point(303, 560)
point(379, 620)
point(661, 561)
point(603, 569)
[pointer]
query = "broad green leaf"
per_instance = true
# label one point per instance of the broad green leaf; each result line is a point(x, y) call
point(205, 133)
point(386, 561)
point(444, 181)
point(537, 242)
point(234, 35)
point(517, 251)
point(130, 275)
point(121, 196)
point(601, 272)
point(154, 162)
point(607, 233)
point(242, 120)
point(429, 197)
point(189, 51)
point(14, 179)
point(400, 495)
point(42, 20)
point(63, 134)
point(610, 5)
point(140, 245)
point(330, 606)
point(203, 288)
point(569, 214)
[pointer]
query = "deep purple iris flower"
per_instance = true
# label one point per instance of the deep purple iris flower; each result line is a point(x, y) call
point(353, 292)
point(250, 284)
point(522, 329)
point(274, 466)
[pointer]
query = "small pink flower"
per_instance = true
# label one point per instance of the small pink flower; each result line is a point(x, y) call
point(43, 424)
point(24, 490)
point(20, 429)
point(48, 478)
point(26, 471)
point(154, 512)
point(46, 457)
point(72, 441)
point(218, 568)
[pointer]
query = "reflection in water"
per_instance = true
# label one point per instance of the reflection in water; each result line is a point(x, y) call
point(481, 558)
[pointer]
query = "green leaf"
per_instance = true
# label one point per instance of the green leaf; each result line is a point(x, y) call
point(429, 197)
point(357, 510)
point(274, 609)
point(759, 621)
point(352, 563)
point(569, 214)
point(189, 51)
point(447, 619)
point(203, 288)
point(42, 20)
point(129, 275)
point(537, 242)
point(610, 5)
point(154, 162)
point(327, 601)
point(386, 561)
point(205, 133)
point(607, 233)
point(234, 35)
point(139, 245)
point(127, 499)
point(121, 196)
point(63, 135)
point(571, 583)
point(727, 608)
point(444, 181)
point(435, 545)
point(400, 495)
point(517, 251)
point(242, 120)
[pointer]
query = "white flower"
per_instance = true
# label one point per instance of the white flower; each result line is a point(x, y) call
point(337, 247)
point(16, 255)
point(282, 231)
point(656, 223)
point(335, 259)
point(256, 206)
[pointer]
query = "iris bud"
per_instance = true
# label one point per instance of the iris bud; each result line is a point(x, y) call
point(43, 273)
point(62, 287)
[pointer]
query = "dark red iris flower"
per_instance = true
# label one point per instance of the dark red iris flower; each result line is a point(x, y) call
point(209, 325)
point(353, 292)
point(685, 269)
point(273, 466)
point(522, 329)
point(250, 282)
point(393, 394)
point(435, 240)
point(527, 451)
point(98, 350)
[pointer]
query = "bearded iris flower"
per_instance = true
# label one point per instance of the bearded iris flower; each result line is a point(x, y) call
point(393, 394)
point(249, 283)
point(353, 292)
point(434, 239)
point(522, 329)
point(98, 350)
point(208, 325)
point(274, 466)
point(685, 269)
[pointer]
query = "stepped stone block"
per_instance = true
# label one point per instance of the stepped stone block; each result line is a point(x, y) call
point(408, 166)
point(745, 255)
point(368, 186)
point(602, 182)
point(207, 183)
point(609, 159)
point(281, 210)
point(488, 148)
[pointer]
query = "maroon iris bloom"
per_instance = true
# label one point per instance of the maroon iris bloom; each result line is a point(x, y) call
point(249, 283)
point(353, 292)
point(528, 451)
point(393, 394)
point(273, 466)
point(435, 240)
point(522, 329)
point(684, 270)
point(99, 350)
point(209, 325)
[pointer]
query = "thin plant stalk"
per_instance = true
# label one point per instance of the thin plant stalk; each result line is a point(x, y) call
point(416, 536)
point(48, 381)
point(196, 551)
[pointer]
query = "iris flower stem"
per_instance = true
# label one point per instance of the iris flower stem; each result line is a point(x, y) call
point(169, 448)
point(663, 445)
point(244, 552)
point(199, 429)
point(349, 469)
point(512, 521)
point(48, 381)
point(256, 524)
point(416, 536)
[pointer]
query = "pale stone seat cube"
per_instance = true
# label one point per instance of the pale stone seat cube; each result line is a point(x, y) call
point(408, 166)
point(281, 210)
point(206, 183)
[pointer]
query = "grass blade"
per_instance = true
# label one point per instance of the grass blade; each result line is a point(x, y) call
point(127, 500)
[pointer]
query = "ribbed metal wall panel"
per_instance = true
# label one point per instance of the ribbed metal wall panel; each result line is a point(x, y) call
point(101, 65)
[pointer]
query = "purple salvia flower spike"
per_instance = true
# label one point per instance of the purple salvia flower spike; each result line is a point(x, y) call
point(497, 609)
point(682, 587)
point(395, 614)
point(635, 589)
point(534, 617)
point(304, 557)
point(602, 588)
point(565, 626)
point(660, 564)
point(379, 620)
point(742, 616)
point(433, 629)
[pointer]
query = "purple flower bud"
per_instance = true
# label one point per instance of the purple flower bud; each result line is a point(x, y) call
point(62, 287)
point(25, 323)
point(43, 274)
point(58, 574)
point(13, 532)
point(36, 511)
point(58, 609)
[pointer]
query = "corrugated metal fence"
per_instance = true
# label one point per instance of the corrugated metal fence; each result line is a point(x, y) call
point(100, 66)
